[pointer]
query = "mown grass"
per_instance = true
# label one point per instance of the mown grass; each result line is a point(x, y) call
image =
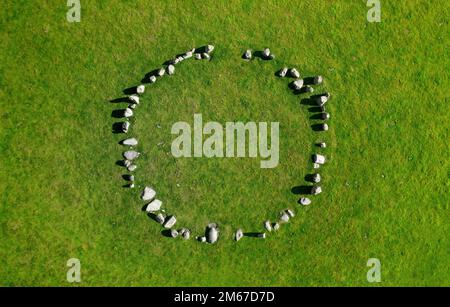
point(386, 186)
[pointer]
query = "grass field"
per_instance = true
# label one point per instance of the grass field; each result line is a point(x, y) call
point(386, 186)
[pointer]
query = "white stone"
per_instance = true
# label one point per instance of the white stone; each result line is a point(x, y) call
point(276, 226)
point(130, 142)
point(155, 205)
point(298, 84)
point(206, 56)
point(316, 190)
point(170, 69)
point(198, 56)
point(319, 159)
point(290, 212)
point(316, 166)
point(140, 89)
point(170, 222)
point(268, 226)
point(212, 234)
point(173, 233)
point(305, 201)
point(248, 54)
point(325, 116)
point(132, 168)
point(134, 99)
point(261, 235)
point(186, 234)
point(316, 178)
point(161, 72)
point(131, 155)
point(125, 127)
point(152, 79)
point(283, 72)
point(238, 235)
point(128, 113)
point(318, 80)
point(324, 127)
point(294, 73)
point(209, 49)
point(160, 218)
point(266, 52)
point(323, 145)
point(148, 194)
point(284, 217)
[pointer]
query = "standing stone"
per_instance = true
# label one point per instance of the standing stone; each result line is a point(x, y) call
point(290, 213)
point(130, 142)
point(131, 185)
point(283, 72)
point(155, 205)
point(161, 72)
point(268, 226)
point(131, 155)
point(201, 239)
point(266, 53)
point(261, 235)
point(316, 178)
point(209, 49)
point(316, 190)
point(160, 218)
point(170, 222)
point(132, 167)
point(188, 54)
point(248, 55)
point(284, 217)
point(297, 84)
point(318, 80)
point(322, 145)
point(325, 116)
point(128, 113)
point(322, 99)
point(276, 226)
point(319, 159)
point(148, 194)
point(132, 106)
point(308, 89)
point(127, 163)
point(125, 127)
point(140, 89)
point(238, 235)
point(186, 233)
point(134, 99)
point(173, 233)
point(316, 166)
point(294, 73)
point(206, 56)
point(305, 201)
point(152, 79)
point(323, 127)
point(198, 56)
point(212, 233)
point(170, 69)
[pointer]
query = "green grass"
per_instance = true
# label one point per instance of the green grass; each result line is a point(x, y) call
point(386, 186)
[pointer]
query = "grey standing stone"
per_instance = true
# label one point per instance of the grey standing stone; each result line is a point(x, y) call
point(284, 217)
point(206, 56)
point(132, 167)
point(316, 190)
point(276, 226)
point(238, 235)
point(316, 166)
point(323, 127)
point(319, 159)
point(173, 233)
point(290, 212)
point(148, 194)
point(212, 233)
point(294, 73)
point(154, 206)
point(170, 69)
point(322, 145)
point(325, 116)
point(318, 80)
point(128, 113)
point(266, 53)
point(161, 72)
point(305, 201)
point(186, 234)
point(248, 54)
point(170, 222)
point(261, 235)
point(201, 239)
point(152, 79)
point(130, 142)
point(322, 99)
point(268, 226)
point(283, 72)
point(316, 178)
point(125, 127)
point(198, 56)
point(308, 89)
point(140, 89)
point(131, 155)
point(160, 218)
point(297, 84)
point(209, 49)
point(134, 99)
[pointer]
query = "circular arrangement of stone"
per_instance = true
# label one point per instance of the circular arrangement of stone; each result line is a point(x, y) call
point(154, 206)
